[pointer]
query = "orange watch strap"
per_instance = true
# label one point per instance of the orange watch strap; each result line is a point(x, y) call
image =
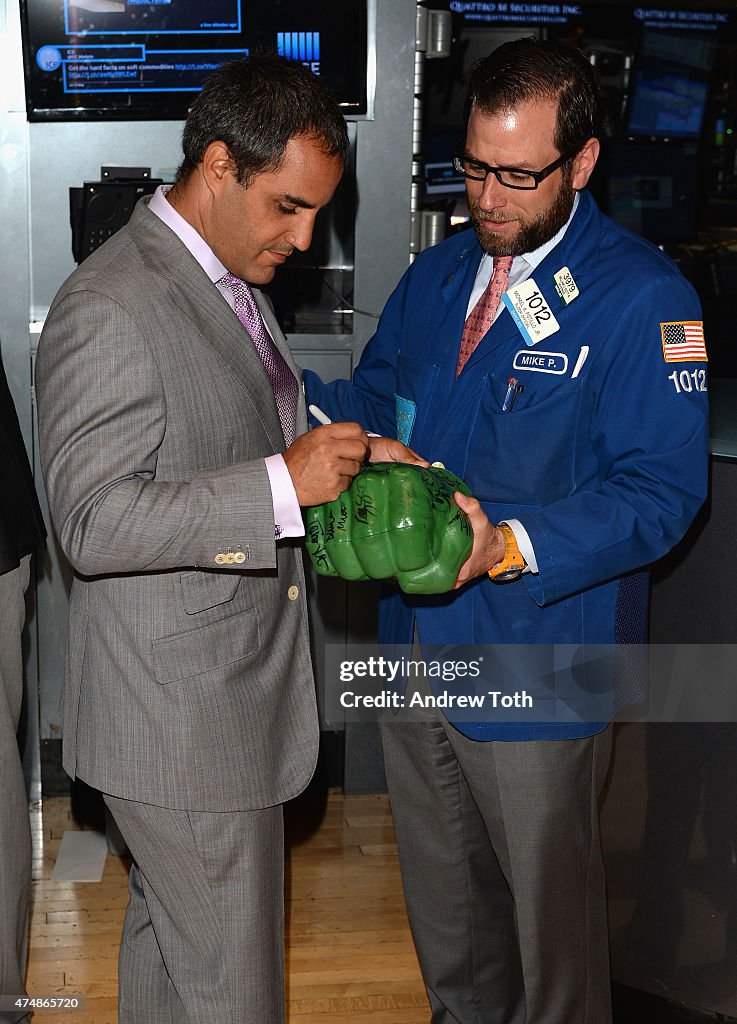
point(512, 562)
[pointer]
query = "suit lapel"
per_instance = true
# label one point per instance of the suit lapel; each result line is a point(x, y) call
point(197, 298)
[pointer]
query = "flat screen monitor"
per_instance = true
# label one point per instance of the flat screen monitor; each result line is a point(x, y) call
point(670, 86)
point(666, 105)
point(129, 60)
point(441, 179)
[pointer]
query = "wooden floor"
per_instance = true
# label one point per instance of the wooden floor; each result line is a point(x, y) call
point(350, 958)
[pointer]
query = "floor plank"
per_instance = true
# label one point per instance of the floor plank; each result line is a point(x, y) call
point(350, 958)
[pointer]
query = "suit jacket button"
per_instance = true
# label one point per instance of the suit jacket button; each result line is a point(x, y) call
point(220, 558)
point(239, 557)
point(229, 558)
point(293, 593)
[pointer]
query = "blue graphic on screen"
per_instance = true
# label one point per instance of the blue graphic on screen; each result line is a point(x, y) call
point(669, 105)
point(108, 17)
point(49, 58)
point(304, 46)
point(131, 67)
point(150, 71)
point(149, 56)
point(670, 86)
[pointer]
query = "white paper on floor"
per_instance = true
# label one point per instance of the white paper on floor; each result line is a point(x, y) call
point(81, 857)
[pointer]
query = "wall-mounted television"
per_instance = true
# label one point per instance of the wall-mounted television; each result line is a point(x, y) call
point(666, 105)
point(670, 86)
point(130, 60)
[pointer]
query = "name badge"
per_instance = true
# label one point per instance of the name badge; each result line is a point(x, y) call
point(565, 286)
point(541, 362)
point(530, 312)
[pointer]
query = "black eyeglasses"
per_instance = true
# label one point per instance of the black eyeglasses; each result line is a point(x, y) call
point(510, 177)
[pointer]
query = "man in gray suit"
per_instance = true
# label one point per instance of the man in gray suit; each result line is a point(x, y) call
point(175, 458)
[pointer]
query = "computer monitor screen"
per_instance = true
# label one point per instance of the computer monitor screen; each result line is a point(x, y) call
point(666, 105)
point(441, 179)
point(670, 86)
point(126, 59)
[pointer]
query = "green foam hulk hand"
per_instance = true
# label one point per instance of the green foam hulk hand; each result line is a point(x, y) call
point(394, 521)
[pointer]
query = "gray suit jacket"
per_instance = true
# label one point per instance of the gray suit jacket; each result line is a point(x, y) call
point(188, 685)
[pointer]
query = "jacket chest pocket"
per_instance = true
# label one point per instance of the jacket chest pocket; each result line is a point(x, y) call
point(215, 632)
point(415, 384)
point(527, 455)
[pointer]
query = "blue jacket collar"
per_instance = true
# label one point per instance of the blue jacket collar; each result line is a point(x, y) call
point(578, 250)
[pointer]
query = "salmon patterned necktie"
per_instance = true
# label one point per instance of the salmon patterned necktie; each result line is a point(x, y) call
point(282, 379)
point(481, 317)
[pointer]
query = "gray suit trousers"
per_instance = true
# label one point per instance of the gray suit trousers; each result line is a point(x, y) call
point(15, 833)
point(502, 872)
point(203, 938)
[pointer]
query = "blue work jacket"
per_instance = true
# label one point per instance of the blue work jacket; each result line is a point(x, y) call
point(605, 469)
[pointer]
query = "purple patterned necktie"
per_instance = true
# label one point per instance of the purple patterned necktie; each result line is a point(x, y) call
point(282, 379)
point(481, 317)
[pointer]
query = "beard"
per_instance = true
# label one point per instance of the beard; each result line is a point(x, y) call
point(533, 232)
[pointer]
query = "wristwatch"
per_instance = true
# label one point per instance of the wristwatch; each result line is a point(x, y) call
point(512, 563)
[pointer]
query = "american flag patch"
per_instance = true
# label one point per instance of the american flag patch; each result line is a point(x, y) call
point(683, 341)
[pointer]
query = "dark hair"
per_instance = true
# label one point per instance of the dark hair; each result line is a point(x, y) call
point(530, 69)
point(255, 106)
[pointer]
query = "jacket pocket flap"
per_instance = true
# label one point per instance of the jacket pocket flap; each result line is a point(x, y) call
point(201, 589)
point(208, 648)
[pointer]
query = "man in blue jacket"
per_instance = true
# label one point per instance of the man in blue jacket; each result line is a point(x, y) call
point(555, 362)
